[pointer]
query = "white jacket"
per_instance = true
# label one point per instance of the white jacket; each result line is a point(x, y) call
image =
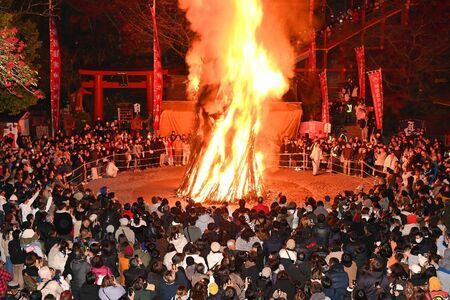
point(56, 259)
point(214, 259)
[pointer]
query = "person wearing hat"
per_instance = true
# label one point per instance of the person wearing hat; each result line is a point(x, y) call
point(215, 256)
point(126, 230)
point(288, 253)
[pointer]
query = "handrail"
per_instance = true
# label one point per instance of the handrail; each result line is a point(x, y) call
point(82, 173)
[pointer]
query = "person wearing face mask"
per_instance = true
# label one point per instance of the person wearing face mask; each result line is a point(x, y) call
point(422, 245)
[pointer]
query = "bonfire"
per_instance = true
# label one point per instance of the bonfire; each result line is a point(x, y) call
point(232, 75)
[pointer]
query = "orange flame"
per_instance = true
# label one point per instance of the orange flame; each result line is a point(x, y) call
point(227, 166)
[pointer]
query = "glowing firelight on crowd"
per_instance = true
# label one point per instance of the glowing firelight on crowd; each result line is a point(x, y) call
point(227, 166)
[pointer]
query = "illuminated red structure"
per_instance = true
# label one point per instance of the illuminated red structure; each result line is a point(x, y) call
point(98, 83)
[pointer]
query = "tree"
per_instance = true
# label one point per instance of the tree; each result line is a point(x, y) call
point(19, 48)
point(137, 26)
point(420, 50)
point(18, 81)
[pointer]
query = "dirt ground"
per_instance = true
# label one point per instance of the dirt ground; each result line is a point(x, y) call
point(296, 185)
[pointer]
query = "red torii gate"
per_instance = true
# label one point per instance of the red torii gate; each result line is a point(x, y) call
point(98, 84)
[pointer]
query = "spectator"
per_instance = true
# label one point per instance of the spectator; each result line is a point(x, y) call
point(110, 289)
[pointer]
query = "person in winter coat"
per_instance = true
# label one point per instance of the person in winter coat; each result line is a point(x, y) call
point(214, 257)
point(316, 156)
point(17, 256)
point(135, 270)
point(110, 217)
point(339, 280)
point(110, 289)
point(63, 221)
point(246, 240)
point(167, 288)
point(274, 243)
point(288, 253)
point(5, 277)
point(203, 220)
point(58, 255)
point(126, 230)
point(177, 239)
point(80, 268)
point(192, 232)
point(50, 286)
point(89, 290)
point(373, 280)
point(99, 269)
point(321, 231)
point(283, 284)
point(443, 272)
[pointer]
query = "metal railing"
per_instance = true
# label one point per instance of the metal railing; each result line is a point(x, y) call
point(152, 159)
point(302, 161)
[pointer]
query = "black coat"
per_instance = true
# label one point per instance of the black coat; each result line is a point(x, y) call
point(339, 282)
point(79, 269)
point(273, 244)
point(373, 283)
point(16, 253)
point(299, 273)
point(283, 285)
point(63, 223)
point(322, 234)
point(132, 273)
point(89, 291)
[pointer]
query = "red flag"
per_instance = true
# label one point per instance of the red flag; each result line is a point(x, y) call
point(55, 72)
point(360, 60)
point(324, 88)
point(376, 86)
point(312, 53)
point(157, 75)
point(312, 50)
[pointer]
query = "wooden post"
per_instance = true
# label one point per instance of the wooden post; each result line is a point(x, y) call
point(98, 96)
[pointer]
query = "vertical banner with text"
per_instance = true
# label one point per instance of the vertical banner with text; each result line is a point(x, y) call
point(376, 86)
point(55, 72)
point(157, 75)
point(312, 50)
point(360, 61)
point(324, 89)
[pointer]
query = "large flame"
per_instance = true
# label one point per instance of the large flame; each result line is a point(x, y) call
point(230, 59)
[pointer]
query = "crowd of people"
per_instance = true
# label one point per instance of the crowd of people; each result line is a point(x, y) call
point(401, 155)
point(102, 146)
point(64, 241)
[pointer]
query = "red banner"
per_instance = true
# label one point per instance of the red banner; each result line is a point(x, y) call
point(312, 53)
point(376, 86)
point(324, 89)
point(157, 75)
point(312, 50)
point(360, 60)
point(55, 73)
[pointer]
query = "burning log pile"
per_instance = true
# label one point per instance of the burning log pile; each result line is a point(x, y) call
point(233, 72)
